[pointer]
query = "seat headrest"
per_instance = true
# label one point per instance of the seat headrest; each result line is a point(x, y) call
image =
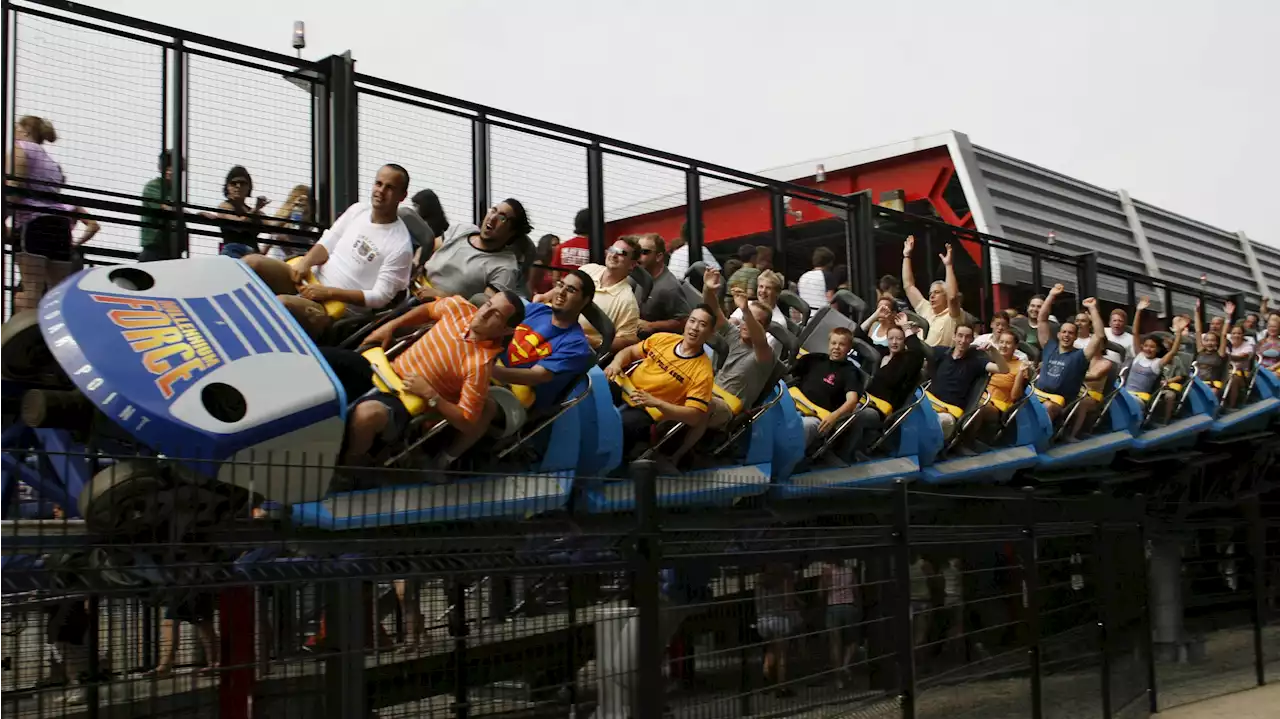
point(789, 341)
point(602, 324)
point(919, 321)
point(695, 273)
point(852, 304)
point(720, 346)
point(789, 300)
point(641, 284)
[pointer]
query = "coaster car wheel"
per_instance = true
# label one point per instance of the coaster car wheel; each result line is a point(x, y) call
point(128, 497)
point(24, 355)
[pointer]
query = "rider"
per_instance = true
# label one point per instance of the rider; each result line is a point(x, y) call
point(363, 260)
point(449, 367)
point(942, 308)
point(834, 384)
point(674, 377)
point(1063, 367)
point(748, 362)
point(955, 370)
point(1211, 355)
point(550, 348)
point(467, 259)
point(613, 294)
point(1144, 371)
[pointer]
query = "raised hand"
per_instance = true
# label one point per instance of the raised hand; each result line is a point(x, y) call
point(1229, 308)
point(712, 279)
point(1090, 303)
point(1144, 303)
point(901, 320)
point(740, 298)
point(946, 256)
point(1057, 290)
point(1180, 324)
point(908, 245)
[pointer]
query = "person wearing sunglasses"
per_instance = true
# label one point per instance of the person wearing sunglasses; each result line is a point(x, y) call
point(667, 306)
point(613, 293)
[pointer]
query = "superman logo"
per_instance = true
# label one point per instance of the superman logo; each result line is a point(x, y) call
point(527, 347)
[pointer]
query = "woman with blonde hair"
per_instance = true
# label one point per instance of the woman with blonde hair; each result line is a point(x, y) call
point(40, 225)
point(295, 211)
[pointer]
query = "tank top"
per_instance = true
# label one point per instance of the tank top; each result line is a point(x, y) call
point(42, 174)
point(951, 581)
point(919, 582)
point(1144, 374)
point(235, 235)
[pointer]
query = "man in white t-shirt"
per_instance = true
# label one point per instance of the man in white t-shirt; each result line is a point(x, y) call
point(678, 257)
point(813, 285)
point(1116, 332)
point(363, 261)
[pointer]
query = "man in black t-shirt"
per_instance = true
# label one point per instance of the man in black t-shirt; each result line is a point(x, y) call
point(833, 384)
point(954, 371)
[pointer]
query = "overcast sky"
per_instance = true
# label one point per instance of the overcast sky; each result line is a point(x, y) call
point(1170, 100)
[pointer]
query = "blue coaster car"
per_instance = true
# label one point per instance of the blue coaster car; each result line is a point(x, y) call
point(1198, 408)
point(909, 445)
point(717, 486)
point(1120, 422)
point(1261, 407)
point(1028, 433)
point(188, 359)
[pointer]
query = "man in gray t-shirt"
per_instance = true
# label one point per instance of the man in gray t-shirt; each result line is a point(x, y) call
point(667, 307)
point(748, 364)
point(466, 262)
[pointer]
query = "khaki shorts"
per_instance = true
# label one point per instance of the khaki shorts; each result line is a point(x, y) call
point(720, 414)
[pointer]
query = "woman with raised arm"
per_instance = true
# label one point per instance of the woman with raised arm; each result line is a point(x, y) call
point(1211, 355)
point(1240, 351)
point(876, 325)
point(1149, 359)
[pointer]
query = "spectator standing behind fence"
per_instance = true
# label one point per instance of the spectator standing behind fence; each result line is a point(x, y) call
point(777, 620)
point(541, 279)
point(467, 259)
point(575, 251)
point(815, 286)
point(941, 309)
point(678, 248)
point(158, 236)
point(746, 275)
point(844, 616)
point(238, 240)
point(43, 237)
point(295, 211)
point(667, 306)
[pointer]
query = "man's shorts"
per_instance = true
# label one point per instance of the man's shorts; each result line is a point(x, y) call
point(400, 417)
point(720, 414)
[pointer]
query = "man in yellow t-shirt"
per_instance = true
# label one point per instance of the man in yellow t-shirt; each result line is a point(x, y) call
point(674, 377)
point(941, 309)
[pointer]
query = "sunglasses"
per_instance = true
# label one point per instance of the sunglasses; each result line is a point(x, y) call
point(618, 251)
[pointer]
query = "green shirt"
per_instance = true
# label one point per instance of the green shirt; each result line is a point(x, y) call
point(154, 232)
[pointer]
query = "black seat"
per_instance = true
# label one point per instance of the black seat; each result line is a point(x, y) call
point(789, 301)
point(789, 343)
point(641, 285)
point(694, 275)
point(919, 321)
point(851, 305)
point(974, 401)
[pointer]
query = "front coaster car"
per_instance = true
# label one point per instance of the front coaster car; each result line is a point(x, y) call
point(217, 389)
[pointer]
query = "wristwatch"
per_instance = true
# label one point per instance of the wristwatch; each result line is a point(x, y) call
point(433, 402)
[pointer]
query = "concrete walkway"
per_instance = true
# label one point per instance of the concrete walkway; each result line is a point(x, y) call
point(1260, 703)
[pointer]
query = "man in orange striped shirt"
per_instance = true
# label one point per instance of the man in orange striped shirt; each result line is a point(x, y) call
point(449, 367)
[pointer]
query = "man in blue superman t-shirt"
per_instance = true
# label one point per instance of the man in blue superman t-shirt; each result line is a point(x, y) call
point(550, 349)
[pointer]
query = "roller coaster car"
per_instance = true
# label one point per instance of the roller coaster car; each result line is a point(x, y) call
point(563, 440)
point(186, 359)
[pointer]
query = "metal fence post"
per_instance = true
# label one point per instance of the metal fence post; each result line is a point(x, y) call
point(459, 630)
point(987, 298)
point(179, 239)
point(1086, 276)
point(480, 177)
point(693, 212)
point(1148, 640)
point(906, 650)
point(6, 121)
point(1106, 590)
point(344, 133)
point(1258, 550)
point(347, 618)
point(1031, 603)
point(595, 201)
point(778, 228)
point(648, 695)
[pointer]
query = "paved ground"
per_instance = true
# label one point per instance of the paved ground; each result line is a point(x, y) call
point(1257, 703)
